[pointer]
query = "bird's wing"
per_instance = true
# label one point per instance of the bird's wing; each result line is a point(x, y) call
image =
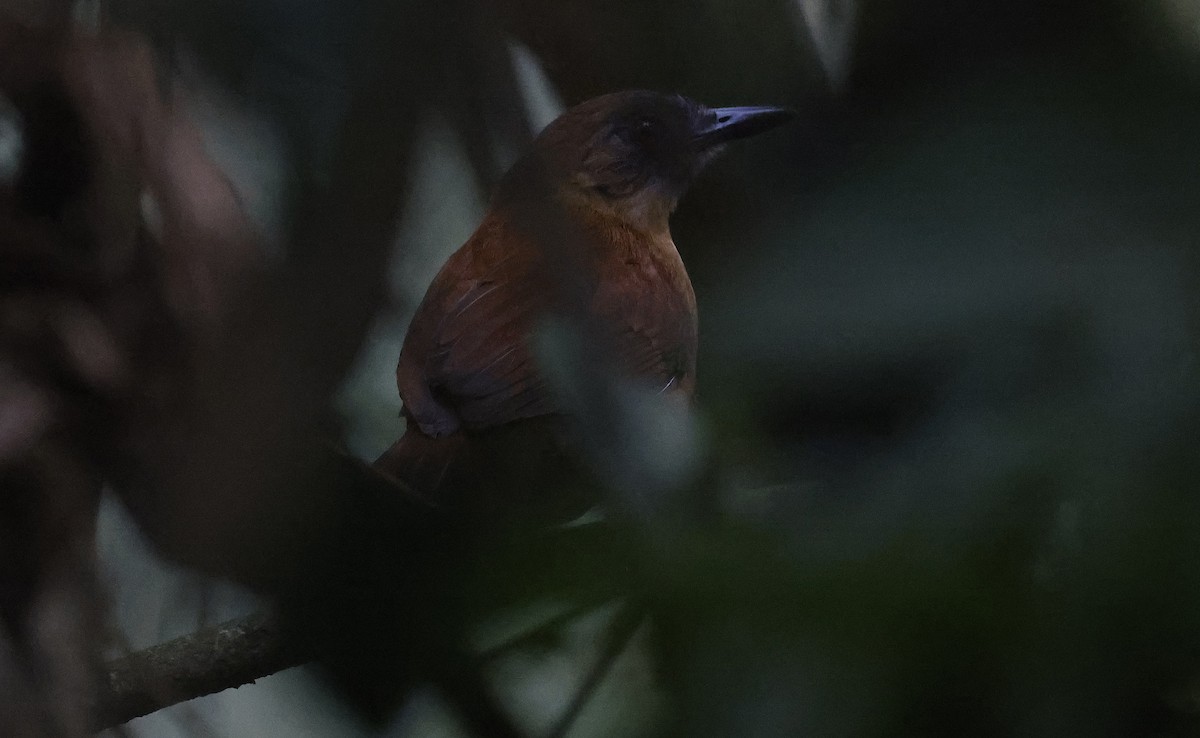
point(486, 366)
point(467, 363)
point(466, 360)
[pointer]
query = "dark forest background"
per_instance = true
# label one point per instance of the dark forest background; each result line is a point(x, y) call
point(942, 477)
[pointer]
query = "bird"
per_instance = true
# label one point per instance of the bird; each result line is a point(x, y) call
point(579, 226)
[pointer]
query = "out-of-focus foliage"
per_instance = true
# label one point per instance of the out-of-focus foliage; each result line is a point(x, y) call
point(949, 371)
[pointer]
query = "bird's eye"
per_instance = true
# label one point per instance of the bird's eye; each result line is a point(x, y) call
point(641, 132)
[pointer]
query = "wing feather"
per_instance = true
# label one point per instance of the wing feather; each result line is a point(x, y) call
point(466, 361)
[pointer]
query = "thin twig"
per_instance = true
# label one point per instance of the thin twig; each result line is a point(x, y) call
point(537, 632)
point(619, 633)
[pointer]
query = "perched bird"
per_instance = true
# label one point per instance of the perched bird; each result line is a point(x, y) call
point(578, 226)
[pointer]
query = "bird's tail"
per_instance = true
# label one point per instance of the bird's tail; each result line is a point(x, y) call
point(425, 465)
point(520, 471)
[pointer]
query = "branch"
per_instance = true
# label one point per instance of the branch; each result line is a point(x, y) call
point(208, 661)
point(618, 635)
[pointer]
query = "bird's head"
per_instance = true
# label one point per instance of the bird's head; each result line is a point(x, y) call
point(635, 153)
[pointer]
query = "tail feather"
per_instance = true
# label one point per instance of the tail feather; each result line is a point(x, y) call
point(426, 465)
point(518, 471)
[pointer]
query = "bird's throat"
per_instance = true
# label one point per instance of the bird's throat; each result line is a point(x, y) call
point(646, 212)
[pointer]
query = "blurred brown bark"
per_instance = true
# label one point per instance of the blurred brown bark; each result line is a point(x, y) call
point(172, 363)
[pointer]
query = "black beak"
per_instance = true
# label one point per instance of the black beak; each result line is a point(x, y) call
point(727, 124)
